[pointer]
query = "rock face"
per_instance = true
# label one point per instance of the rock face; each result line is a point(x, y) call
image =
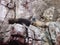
point(38, 8)
point(47, 12)
point(34, 8)
point(27, 8)
point(3, 12)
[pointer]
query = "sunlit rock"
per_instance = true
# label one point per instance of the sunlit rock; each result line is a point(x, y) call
point(10, 14)
point(48, 13)
point(3, 12)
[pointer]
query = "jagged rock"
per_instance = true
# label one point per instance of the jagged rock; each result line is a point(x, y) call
point(18, 29)
point(35, 8)
point(11, 5)
point(10, 14)
point(38, 8)
point(54, 28)
point(49, 9)
point(21, 11)
point(5, 2)
point(49, 13)
point(3, 11)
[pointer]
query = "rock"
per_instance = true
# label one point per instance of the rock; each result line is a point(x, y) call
point(10, 14)
point(21, 11)
point(54, 29)
point(38, 8)
point(5, 2)
point(48, 13)
point(3, 12)
point(11, 5)
point(19, 28)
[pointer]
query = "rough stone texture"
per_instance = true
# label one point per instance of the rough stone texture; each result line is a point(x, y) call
point(33, 8)
point(48, 13)
point(3, 12)
point(46, 9)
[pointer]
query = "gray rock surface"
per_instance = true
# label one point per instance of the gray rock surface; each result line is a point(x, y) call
point(47, 10)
